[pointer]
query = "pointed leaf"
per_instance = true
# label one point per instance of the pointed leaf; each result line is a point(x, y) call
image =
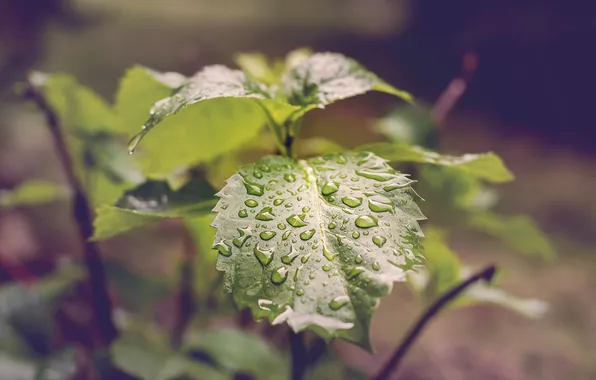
point(487, 166)
point(211, 113)
point(316, 243)
point(520, 232)
point(152, 201)
point(324, 78)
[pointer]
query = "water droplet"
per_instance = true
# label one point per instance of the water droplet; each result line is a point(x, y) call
point(223, 249)
point(289, 177)
point(281, 226)
point(312, 276)
point(330, 188)
point(376, 265)
point(251, 203)
point(265, 168)
point(327, 267)
point(394, 186)
point(343, 176)
point(257, 174)
point(279, 276)
point(296, 220)
point(299, 292)
point(242, 213)
point(305, 258)
point(366, 221)
point(303, 187)
point(365, 233)
point(263, 255)
point(352, 201)
point(253, 188)
point(298, 198)
point(341, 159)
point(377, 176)
point(358, 259)
point(380, 205)
point(290, 257)
point(379, 240)
point(267, 235)
point(354, 272)
point(265, 214)
point(331, 225)
point(278, 202)
point(306, 235)
point(328, 255)
point(355, 234)
point(338, 302)
point(286, 235)
point(240, 240)
point(305, 209)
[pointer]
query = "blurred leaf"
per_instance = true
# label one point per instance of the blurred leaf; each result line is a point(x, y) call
point(316, 146)
point(520, 232)
point(258, 67)
point(444, 271)
point(324, 78)
point(62, 365)
point(156, 361)
point(487, 166)
point(203, 235)
point(32, 192)
point(278, 210)
point(409, 125)
point(297, 57)
point(211, 113)
point(239, 351)
point(152, 201)
point(135, 291)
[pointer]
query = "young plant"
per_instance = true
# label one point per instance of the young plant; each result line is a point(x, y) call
point(314, 242)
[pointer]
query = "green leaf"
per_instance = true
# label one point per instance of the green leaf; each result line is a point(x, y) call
point(444, 271)
point(239, 351)
point(324, 78)
point(258, 67)
point(213, 112)
point(30, 193)
point(150, 202)
point(316, 146)
point(155, 361)
point(316, 243)
point(407, 125)
point(520, 232)
point(487, 166)
point(203, 235)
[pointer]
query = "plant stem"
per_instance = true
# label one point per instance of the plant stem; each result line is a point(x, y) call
point(392, 365)
point(81, 212)
point(299, 355)
point(185, 300)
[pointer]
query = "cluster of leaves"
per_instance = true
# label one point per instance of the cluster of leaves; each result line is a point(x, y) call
point(314, 243)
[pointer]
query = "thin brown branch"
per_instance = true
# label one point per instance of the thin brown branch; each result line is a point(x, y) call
point(81, 211)
point(392, 365)
point(456, 88)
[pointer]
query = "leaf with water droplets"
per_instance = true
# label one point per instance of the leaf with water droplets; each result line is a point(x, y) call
point(354, 239)
point(213, 112)
point(487, 166)
point(324, 78)
point(150, 202)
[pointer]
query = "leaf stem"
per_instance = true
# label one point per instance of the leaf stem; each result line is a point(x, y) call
point(392, 365)
point(81, 212)
point(299, 355)
point(185, 300)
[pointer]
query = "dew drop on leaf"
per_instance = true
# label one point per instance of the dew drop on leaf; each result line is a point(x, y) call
point(278, 202)
point(240, 240)
point(330, 188)
point(251, 203)
point(352, 201)
point(281, 226)
point(242, 213)
point(355, 234)
point(267, 235)
point(394, 186)
point(358, 259)
point(279, 276)
point(290, 257)
point(305, 209)
point(305, 258)
point(331, 225)
point(339, 302)
point(328, 255)
point(299, 292)
point(380, 205)
point(263, 255)
point(257, 174)
point(366, 221)
point(223, 249)
point(265, 214)
point(265, 168)
point(379, 240)
point(253, 188)
point(296, 220)
point(327, 267)
point(306, 235)
point(289, 177)
point(354, 272)
point(376, 266)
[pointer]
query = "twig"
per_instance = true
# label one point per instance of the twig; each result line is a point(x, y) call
point(299, 355)
point(456, 88)
point(81, 211)
point(186, 304)
point(393, 363)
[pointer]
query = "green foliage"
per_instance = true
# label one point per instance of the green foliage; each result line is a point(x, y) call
point(444, 271)
point(316, 243)
point(30, 193)
point(150, 202)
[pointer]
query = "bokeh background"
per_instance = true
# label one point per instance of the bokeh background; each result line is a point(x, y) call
point(530, 101)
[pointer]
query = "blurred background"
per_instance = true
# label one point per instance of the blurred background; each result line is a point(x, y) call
point(530, 101)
